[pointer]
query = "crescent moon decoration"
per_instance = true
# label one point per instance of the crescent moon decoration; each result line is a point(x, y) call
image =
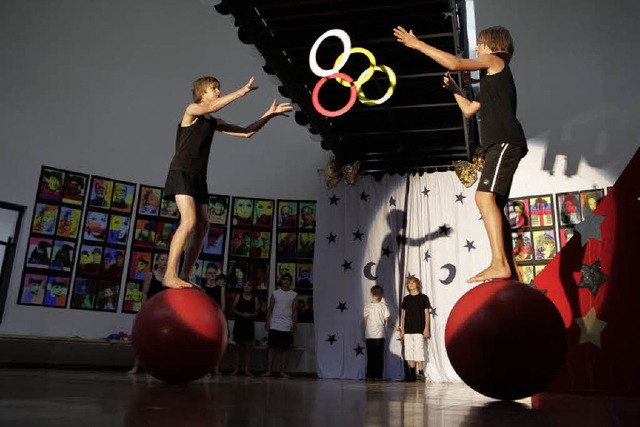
point(367, 271)
point(452, 273)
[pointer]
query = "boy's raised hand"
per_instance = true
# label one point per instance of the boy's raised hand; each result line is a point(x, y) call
point(405, 37)
point(249, 86)
point(280, 109)
point(449, 83)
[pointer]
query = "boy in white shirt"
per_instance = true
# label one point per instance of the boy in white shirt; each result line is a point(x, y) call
point(376, 316)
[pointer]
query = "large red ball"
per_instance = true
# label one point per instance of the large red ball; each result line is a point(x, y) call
point(179, 334)
point(505, 340)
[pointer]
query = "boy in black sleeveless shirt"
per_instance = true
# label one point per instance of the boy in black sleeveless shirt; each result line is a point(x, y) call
point(187, 179)
point(502, 135)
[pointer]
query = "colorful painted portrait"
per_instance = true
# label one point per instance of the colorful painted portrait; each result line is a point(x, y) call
point(113, 262)
point(214, 242)
point(566, 233)
point(589, 201)
point(68, 222)
point(541, 210)
point(518, 213)
point(123, 194)
point(569, 212)
point(57, 291)
point(522, 245)
point(237, 273)
point(84, 293)
point(260, 244)
point(44, 219)
point(74, 189)
point(145, 233)
point(90, 260)
point(544, 244)
point(33, 289)
point(95, 226)
point(51, 182)
point(286, 268)
point(140, 265)
point(149, 201)
point(240, 243)
point(62, 255)
point(132, 297)
point(526, 273)
point(243, 212)
point(169, 209)
point(259, 274)
point(119, 226)
point(307, 216)
point(107, 296)
point(263, 213)
point(304, 277)
point(101, 193)
point(306, 243)
point(218, 209)
point(39, 252)
point(164, 233)
point(287, 214)
point(287, 245)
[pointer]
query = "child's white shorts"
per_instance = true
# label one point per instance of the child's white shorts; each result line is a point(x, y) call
point(414, 347)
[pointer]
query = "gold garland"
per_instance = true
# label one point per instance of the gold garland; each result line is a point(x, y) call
point(468, 172)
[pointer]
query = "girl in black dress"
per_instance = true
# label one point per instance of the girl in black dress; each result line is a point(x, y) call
point(245, 309)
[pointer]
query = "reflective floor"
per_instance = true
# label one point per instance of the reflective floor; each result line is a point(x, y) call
point(96, 398)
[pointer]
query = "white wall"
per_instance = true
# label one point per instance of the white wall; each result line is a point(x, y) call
point(575, 67)
point(99, 87)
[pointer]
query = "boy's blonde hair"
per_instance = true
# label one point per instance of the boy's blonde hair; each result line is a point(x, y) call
point(415, 280)
point(497, 39)
point(201, 85)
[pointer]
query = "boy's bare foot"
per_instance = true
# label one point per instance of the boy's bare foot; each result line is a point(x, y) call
point(267, 374)
point(132, 371)
point(175, 283)
point(247, 373)
point(234, 373)
point(492, 273)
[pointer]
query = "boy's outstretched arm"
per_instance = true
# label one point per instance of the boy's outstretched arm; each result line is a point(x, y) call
point(248, 131)
point(219, 103)
point(447, 60)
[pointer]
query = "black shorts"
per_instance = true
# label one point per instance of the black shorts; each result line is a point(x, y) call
point(500, 163)
point(280, 339)
point(188, 183)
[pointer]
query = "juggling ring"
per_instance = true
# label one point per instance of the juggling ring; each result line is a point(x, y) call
point(346, 42)
point(392, 86)
point(350, 103)
point(367, 74)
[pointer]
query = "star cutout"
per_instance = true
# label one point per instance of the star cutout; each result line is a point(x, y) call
point(359, 350)
point(392, 201)
point(433, 312)
point(425, 191)
point(386, 251)
point(331, 238)
point(357, 235)
point(331, 339)
point(364, 196)
point(460, 198)
point(444, 230)
point(590, 328)
point(342, 306)
point(346, 265)
point(469, 246)
point(333, 200)
point(590, 228)
point(592, 278)
point(427, 256)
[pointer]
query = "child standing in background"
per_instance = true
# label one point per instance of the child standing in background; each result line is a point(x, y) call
point(376, 317)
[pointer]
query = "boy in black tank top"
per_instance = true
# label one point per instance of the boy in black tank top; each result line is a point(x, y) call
point(187, 179)
point(502, 135)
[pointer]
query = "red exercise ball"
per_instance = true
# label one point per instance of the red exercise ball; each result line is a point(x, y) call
point(179, 334)
point(505, 340)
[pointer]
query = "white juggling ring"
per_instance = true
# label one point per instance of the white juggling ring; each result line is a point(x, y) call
point(346, 42)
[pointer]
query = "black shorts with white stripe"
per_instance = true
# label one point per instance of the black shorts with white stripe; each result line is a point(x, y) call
point(500, 163)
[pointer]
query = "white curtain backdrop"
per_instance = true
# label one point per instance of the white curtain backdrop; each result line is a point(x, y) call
point(379, 232)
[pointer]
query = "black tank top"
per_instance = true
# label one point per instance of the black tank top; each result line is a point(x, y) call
point(193, 145)
point(246, 305)
point(214, 292)
point(155, 286)
point(498, 104)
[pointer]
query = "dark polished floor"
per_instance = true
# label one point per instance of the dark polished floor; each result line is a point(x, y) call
point(98, 398)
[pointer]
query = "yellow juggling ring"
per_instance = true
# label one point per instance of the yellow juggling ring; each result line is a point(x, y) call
point(366, 75)
point(392, 85)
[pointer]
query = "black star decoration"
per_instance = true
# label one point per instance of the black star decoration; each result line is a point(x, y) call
point(346, 265)
point(444, 230)
point(331, 339)
point(427, 256)
point(333, 200)
point(386, 251)
point(364, 196)
point(342, 306)
point(357, 235)
point(359, 350)
point(469, 246)
point(433, 312)
point(331, 238)
point(392, 201)
point(425, 191)
point(592, 277)
point(460, 198)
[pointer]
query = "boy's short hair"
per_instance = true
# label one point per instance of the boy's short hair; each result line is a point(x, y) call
point(497, 39)
point(287, 276)
point(376, 291)
point(201, 85)
point(415, 280)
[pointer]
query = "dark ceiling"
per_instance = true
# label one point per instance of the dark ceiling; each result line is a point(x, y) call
point(419, 127)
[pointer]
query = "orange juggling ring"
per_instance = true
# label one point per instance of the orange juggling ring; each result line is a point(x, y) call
point(350, 103)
